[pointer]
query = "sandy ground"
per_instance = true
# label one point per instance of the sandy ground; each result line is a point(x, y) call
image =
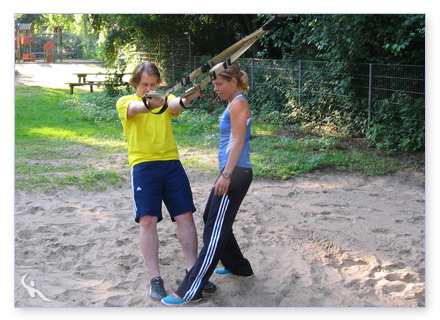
point(321, 240)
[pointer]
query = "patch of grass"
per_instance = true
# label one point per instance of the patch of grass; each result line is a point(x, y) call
point(281, 155)
point(49, 180)
point(92, 180)
point(370, 164)
point(62, 141)
point(51, 142)
point(195, 163)
point(196, 129)
point(97, 107)
point(42, 118)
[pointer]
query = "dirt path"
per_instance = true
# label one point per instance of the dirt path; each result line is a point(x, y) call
point(53, 75)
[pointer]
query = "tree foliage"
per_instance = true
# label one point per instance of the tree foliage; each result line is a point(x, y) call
point(210, 33)
point(339, 41)
point(375, 38)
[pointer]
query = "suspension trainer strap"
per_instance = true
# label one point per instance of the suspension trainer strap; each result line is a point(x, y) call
point(214, 61)
point(220, 67)
point(162, 109)
point(217, 64)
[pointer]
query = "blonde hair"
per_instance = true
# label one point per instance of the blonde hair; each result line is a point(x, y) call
point(241, 77)
point(149, 67)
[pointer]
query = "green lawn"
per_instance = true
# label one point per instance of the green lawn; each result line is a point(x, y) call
point(53, 147)
point(63, 140)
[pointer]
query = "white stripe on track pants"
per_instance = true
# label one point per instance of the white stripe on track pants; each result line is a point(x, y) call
point(219, 243)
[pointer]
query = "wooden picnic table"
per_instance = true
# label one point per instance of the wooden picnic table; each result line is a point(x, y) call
point(82, 76)
point(82, 80)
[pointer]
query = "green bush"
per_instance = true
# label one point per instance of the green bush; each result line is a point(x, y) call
point(399, 124)
point(198, 121)
point(96, 106)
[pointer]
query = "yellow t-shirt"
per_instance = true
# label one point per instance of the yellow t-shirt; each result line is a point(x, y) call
point(149, 136)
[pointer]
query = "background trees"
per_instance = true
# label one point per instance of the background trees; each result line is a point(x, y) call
point(375, 38)
point(322, 75)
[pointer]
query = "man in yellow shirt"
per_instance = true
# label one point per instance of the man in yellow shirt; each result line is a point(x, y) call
point(156, 172)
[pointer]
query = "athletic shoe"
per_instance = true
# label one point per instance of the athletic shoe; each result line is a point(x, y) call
point(223, 272)
point(209, 287)
point(157, 290)
point(175, 300)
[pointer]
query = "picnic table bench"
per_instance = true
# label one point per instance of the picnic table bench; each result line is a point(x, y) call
point(82, 80)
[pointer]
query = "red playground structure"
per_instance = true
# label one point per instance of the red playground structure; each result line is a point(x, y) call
point(24, 42)
point(27, 49)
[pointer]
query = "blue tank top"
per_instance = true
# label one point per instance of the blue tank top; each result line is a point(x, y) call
point(226, 139)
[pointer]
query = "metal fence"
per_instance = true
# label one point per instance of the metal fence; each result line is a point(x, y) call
point(342, 85)
point(347, 87)
point(171, 53)
point(362, 89)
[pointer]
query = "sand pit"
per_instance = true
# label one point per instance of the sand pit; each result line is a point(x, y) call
point(315, 241)
point(321, 240)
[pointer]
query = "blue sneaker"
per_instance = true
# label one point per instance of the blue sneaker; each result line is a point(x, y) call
point(223, 271)
point(175, 300)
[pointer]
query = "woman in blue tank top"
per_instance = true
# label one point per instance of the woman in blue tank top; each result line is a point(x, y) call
point(227, 138)
point(228, 192)
point(235, 131)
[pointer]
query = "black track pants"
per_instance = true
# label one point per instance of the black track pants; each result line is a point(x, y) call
point(218, 240)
